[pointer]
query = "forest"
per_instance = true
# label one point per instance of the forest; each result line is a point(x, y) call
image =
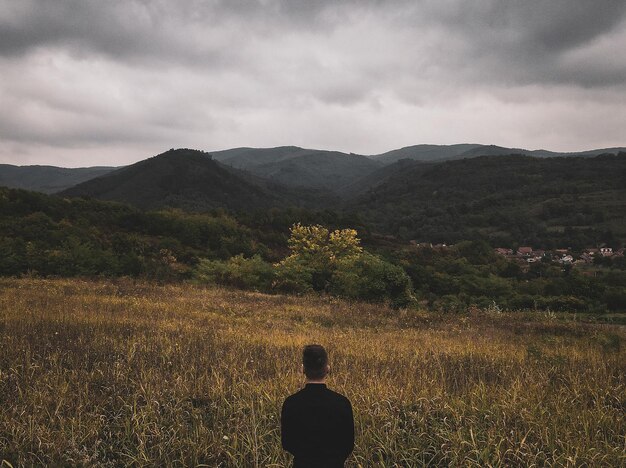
point(507, 201)
point(295, 250)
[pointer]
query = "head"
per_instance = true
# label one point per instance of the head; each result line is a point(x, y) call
point(315, 362)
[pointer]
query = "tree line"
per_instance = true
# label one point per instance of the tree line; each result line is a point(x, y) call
point(52, 236)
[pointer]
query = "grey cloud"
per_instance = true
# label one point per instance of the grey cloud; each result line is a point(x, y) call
point(492, 40)
point(93, 72)
point(524, 42)
point(558, 25)
point(542, 25)
point(148, 29)
point(30, 23)
point(135, 31)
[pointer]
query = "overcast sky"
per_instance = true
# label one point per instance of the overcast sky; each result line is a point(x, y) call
point(93, 82)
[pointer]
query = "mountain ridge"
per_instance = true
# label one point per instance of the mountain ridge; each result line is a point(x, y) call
point(300, 167)
point(48, 179)
point(290, 167)
point(186, 179)
point(468, 150)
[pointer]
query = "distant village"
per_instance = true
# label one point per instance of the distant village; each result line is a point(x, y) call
point(529, 255)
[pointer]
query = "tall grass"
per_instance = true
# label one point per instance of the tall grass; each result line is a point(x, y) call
point(123, 373)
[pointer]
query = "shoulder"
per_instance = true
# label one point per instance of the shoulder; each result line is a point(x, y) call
point(340, 398)
point(292, 398)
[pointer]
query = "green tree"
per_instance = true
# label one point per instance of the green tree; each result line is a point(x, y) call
point(315, 252)
point(334, 261)
point(371, 278)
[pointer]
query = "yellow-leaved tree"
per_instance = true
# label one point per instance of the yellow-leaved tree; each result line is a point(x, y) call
point(334, 261)
point(315, 252)
point(317, 242)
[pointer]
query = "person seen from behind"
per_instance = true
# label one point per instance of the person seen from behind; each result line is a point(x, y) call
point(317, 424)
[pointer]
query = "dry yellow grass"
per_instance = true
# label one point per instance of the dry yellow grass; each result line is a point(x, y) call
point(122, 373)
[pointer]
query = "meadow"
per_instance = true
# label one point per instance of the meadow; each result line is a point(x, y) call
point(123, 372)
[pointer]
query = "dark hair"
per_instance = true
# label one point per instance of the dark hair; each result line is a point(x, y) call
point(315, 360)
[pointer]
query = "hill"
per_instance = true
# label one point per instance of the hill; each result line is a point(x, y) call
point(246, 158)
point(505, 199)
point(330, 171)
point(379, 176)
point(433, 153)
point(186, 179)
point(299, 167)
point(47, 179)
point(321, 170)
point(424, 152)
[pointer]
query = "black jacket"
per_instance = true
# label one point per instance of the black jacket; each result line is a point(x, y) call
point(317, 427)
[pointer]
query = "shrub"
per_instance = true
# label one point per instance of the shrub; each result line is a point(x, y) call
point(293, 275)
point(371, 278)
point(238, 271)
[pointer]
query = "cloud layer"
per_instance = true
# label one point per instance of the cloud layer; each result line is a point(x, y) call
point(86, 82)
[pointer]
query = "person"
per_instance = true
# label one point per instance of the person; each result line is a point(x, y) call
point(317, 424)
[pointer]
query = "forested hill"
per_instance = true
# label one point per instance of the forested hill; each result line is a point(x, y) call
point(506, 199)
point(47, 179)
point(300, 167)
point(190, 180)
point(433, 153)
point(334, 172)
point(325, 170)
point(246, 158)
point(545, 202)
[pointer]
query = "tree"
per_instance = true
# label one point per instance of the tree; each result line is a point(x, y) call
point(318, 243)
point(335, 262)
point(371, 278)
point(315, 252)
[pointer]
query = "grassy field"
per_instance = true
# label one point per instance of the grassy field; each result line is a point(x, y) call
point(117, 373)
